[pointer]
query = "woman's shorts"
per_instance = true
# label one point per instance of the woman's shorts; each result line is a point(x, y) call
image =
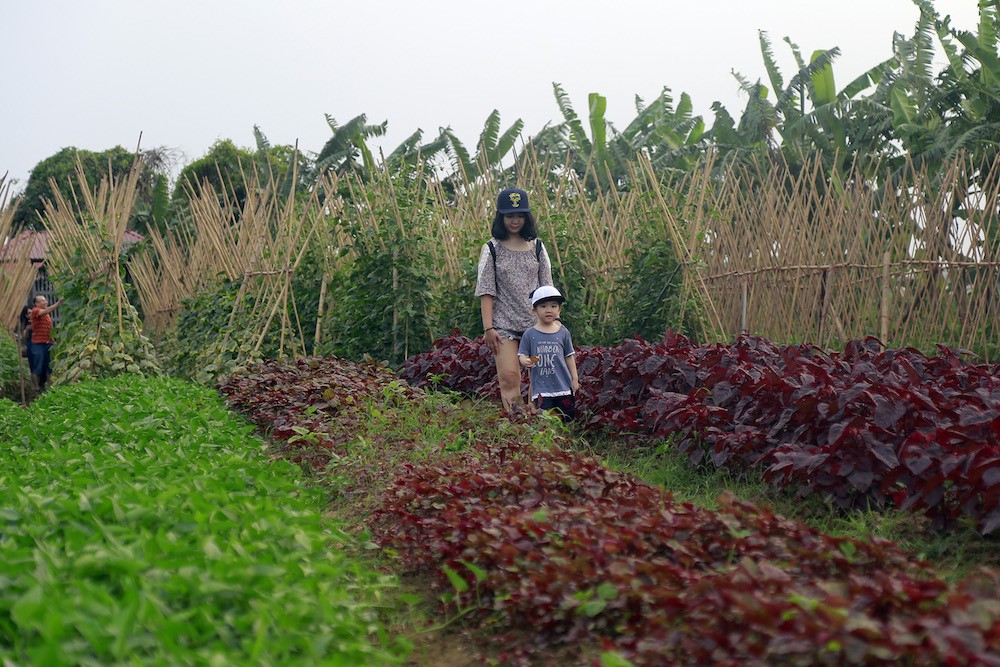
point(510, 334)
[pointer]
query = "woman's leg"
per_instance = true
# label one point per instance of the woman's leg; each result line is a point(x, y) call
point(509, 376)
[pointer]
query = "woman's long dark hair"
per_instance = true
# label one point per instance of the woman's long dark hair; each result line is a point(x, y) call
point(528, 231)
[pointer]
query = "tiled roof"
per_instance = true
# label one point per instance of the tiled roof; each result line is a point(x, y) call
point(40, 242)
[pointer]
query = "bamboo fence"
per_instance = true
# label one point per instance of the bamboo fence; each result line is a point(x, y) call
point(790, 257)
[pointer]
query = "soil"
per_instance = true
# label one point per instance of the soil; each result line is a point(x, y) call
point(445, 649)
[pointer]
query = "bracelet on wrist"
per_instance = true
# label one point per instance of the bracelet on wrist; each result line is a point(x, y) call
point(490, 329)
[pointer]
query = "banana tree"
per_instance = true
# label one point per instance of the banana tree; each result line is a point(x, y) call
point(753, 135)
point(965, 114)
point(671, 137)
point(341, 152)
point(809, 116)
point(412, 153)
point(493, 146)
point(285, 166)
point(567, 145)
point(965, 121)
point(813, 117)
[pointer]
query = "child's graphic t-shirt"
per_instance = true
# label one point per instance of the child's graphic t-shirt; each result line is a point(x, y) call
point(550, 376)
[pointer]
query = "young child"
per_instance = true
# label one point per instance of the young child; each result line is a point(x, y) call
point(547, 350)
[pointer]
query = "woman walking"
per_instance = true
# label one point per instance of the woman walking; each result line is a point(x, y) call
point(511, 266)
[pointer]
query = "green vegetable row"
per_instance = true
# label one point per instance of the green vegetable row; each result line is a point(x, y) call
point(141, 523)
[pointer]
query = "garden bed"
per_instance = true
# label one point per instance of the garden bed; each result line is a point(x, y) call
point(140, 521)
point(551, 550)
point(864, 428)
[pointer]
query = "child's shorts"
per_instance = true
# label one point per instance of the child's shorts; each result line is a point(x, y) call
point(565, 406)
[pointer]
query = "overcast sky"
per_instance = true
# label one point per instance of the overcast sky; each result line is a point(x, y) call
point(186, 73)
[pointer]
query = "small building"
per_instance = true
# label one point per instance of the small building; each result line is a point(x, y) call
point(39, 240)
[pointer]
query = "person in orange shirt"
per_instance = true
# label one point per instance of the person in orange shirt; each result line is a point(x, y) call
point(40, 351)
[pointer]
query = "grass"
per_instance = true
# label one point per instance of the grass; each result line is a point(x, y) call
point(396, 430)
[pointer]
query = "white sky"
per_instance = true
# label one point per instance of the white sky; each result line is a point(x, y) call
point(185, 73)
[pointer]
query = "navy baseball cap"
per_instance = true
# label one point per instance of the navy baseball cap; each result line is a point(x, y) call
point(513, 200)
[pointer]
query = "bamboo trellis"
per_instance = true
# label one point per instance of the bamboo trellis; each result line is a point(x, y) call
point(16, 270)
point(259, 244)
point(88, 232)
point(790, 256)
point(793, 258)
point(595, 233)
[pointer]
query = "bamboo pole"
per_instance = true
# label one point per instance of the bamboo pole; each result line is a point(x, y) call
point(319, 311)
point(744, 288)
point(884, 311)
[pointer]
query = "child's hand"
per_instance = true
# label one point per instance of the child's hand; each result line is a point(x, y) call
point(526, 361)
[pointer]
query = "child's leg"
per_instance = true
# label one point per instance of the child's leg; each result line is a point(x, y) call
point(564, 406)
point(567, 408)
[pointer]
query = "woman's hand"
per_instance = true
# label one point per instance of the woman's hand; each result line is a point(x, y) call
point(493, 340)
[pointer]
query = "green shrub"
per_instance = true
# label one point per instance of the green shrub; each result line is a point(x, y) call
point(12, 368)
point(380, 301)
point(380, 306)
point(207, 341)
point(455, 306)
point(10, 361)
point(654, 298)
point(99, 336)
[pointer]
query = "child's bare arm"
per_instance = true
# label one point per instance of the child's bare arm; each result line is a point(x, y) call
point(571, 363)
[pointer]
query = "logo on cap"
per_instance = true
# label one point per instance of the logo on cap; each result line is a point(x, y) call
point(512, 200)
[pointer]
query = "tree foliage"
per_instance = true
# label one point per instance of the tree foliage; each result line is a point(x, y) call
point(222, 167)
point(61, 169)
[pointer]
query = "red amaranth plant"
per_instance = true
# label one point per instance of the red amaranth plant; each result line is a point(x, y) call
point(572, 552)
point(867, 427)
